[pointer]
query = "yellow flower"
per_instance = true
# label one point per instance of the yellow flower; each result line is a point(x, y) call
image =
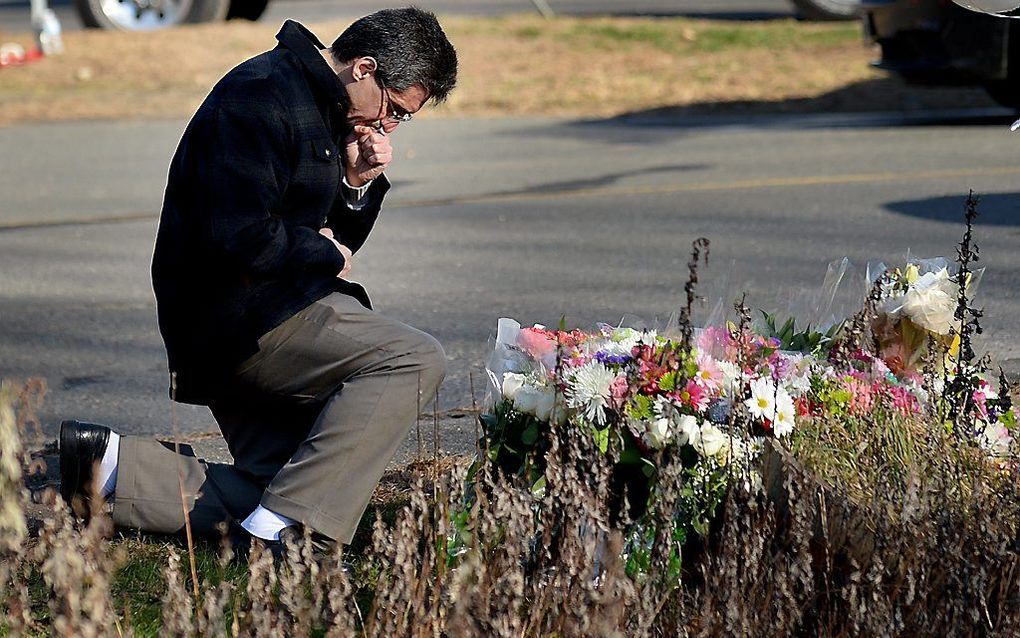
point(912, 273)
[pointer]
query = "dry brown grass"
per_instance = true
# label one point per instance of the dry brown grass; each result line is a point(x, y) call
point(523, 65)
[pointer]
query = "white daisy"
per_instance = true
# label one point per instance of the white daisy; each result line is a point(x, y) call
point(762, 403)
point(783, 422)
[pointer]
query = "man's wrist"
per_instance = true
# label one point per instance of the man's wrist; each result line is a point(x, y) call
point(354, 181)
point(357, 193)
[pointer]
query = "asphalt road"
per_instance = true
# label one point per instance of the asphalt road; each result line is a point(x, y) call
point(15, 17)
point(488, 218)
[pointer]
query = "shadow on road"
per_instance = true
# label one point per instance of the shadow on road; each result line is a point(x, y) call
point(997, 209)
point(886, 102)
point(601, 181)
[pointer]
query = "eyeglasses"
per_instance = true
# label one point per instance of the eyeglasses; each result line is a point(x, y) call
point(396, 113)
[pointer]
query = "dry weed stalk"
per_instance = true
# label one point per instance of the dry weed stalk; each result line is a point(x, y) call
point(779, 563)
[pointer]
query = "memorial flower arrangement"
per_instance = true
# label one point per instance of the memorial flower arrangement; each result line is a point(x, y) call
point(714, 397)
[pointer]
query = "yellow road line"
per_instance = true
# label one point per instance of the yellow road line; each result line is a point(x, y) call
point(660, 189)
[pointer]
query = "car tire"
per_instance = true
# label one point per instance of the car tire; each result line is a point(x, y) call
point(142, 15)
point(247, 9)
point(826, 10)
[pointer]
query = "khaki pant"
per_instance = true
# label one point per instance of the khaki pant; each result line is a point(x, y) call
point(312, 421)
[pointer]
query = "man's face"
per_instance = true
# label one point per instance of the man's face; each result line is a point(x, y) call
point(375, 106)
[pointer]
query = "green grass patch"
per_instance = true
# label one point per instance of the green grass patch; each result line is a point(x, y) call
point(692, 36)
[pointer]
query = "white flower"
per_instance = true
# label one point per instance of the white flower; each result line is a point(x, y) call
point(545, 404)
point(931, 301)
point(623, 340)
point(658, 433)
point(588, 391)
point(512, 383)
point(688, 430)
point(762, 403)
point(783, 422)
point(659, 429)
point(798, 378)
point(526, 399)
point(539, 401)
point(731, 375)
point(996, 439)
point(713, 442)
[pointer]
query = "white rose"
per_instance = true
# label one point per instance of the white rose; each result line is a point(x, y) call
point(546, 402)
point(526, 399)
point(688, 431)
point(658, 434)
point(714, 442)
point(512, 383)
point(931, 302)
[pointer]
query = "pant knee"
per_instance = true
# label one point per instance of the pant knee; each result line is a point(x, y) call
point(433, 359)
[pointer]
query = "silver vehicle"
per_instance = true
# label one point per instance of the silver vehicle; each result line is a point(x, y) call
point(149, 15)
point(826, 10)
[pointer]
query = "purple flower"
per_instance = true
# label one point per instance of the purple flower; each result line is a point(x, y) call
point(611, 359)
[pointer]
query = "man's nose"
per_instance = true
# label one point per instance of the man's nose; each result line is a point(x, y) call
point(389, 126)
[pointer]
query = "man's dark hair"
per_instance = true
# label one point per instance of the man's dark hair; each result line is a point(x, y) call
point(409, 46)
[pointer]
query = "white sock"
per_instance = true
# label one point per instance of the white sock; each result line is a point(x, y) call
point(266, 524)
point(108, 466)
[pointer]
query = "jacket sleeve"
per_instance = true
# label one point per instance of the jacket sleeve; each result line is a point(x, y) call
point(352, 227)
point(247, 142)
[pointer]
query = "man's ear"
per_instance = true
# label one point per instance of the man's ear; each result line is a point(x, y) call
point(363, 67)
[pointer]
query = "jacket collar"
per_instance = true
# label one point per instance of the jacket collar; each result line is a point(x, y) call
point(306, 47)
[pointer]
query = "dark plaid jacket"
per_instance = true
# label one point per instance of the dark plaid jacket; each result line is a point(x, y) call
point(255, 176)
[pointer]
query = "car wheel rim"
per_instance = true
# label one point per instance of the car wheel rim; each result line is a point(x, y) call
point(145, 15)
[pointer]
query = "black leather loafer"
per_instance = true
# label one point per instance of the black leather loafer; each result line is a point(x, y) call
point(82, 445)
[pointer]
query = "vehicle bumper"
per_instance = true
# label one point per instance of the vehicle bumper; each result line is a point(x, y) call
point(937, 41)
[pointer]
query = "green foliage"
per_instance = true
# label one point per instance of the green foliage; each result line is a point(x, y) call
point(668, 382)
point(807, 340)
point(515, 442)
point(641, 407)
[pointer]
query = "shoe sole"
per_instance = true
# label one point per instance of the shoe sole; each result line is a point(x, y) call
point(70, 468)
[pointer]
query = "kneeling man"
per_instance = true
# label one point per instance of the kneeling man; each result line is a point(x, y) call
point(276, 184)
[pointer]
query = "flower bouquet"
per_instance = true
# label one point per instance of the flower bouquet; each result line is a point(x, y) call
point(709, 401)
point(916, 313)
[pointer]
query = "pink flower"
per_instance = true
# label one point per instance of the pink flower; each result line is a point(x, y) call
point(579, 360)
point(862, 395)
point(537, 344)
point(710, 375)
point(879, 369)
point(716, 342)
point(981, 400)
point(903, 400)
point(695, 396)
point(619, 390)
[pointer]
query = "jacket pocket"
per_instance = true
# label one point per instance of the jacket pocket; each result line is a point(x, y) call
point(323, 149)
